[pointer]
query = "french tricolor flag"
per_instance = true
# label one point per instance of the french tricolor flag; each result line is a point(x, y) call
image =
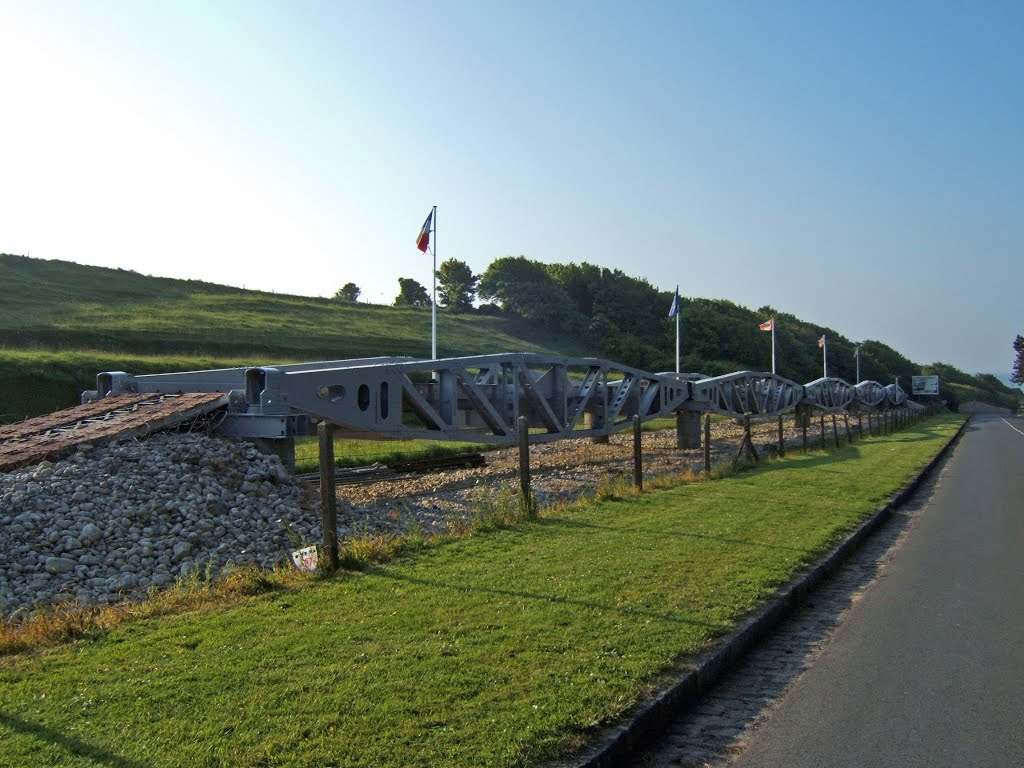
point(423, 241)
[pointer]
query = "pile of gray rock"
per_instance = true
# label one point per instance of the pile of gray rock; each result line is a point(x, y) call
point(112, 522)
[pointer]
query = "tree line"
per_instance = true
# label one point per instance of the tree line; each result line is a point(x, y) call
point(626, 319)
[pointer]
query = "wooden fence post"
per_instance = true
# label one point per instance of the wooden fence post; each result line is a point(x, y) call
point(782, 440)
point(638, 459)
point(823, 430)
point(524, 465)
point(328, 497)
point(707, 443)
point(846, 421)
point(747, 444)
point(835, 431)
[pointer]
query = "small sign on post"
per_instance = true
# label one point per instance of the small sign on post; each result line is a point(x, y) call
point(305, 559)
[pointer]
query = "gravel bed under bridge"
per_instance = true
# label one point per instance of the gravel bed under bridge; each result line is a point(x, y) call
point(111, 522)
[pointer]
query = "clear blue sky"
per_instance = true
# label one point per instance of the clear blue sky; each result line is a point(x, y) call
point(860, 165)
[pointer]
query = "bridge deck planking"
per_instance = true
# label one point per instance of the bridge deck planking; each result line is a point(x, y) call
point(53, 435)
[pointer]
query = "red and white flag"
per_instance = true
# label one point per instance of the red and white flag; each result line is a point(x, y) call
point(821, 341)
point(768, 325)
point(423, 241)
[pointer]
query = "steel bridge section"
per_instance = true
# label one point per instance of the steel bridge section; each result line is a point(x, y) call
point(830, 394)
point(746, 392)
point(481, 398)
point(895, 395)
point(870, 394)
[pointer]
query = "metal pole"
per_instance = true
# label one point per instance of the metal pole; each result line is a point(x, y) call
point(638, 466)
point(433, 302)
point(678, 313)
point(773, 346)
point(328, 496)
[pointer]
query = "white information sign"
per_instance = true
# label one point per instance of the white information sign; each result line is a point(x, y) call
point(924, 385)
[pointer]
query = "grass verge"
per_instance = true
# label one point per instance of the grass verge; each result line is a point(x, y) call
point(496, 650)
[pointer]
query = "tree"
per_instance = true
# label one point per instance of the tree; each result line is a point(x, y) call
point(525, 288)
point(456, 285)
point(411, 294)
point(348, 293)
point(1017, 375)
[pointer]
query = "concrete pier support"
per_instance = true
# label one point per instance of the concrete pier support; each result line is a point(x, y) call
point(688, 429)
point(590, 421)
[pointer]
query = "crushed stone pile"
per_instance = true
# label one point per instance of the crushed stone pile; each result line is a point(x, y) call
point(111, 522)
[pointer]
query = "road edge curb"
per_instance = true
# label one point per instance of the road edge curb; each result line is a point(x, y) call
point(623, 741)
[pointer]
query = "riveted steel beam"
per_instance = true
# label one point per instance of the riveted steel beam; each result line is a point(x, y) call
point(481, 398)
point(870, 394)
point(746, 392)
point(830, 394)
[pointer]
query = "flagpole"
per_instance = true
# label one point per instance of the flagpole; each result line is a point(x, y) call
point(773, 346)
point(677, 328)
point(824, 355)
point(433, 302)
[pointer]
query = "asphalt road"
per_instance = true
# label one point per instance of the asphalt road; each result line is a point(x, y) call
point(928, 668)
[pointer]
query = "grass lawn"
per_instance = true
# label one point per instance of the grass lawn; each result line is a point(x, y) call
point(502, 649)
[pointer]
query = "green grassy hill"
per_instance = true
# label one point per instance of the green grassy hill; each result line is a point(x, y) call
point(62, 323)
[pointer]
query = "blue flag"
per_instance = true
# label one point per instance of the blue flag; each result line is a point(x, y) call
point(674, 309)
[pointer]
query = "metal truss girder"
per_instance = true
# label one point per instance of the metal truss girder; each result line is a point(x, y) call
point(736, 394)
point(622, 390)
point(587, 388)
point(480, 398)
point(541, 405)
point(830, 394)
point(895, 394)
point(486, 410)
point(871, 394)
point(419, 404)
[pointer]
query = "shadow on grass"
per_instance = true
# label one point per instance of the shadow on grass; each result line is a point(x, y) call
point(817, 457)
point(383, 572)
point(74, 746)
point(561, 522)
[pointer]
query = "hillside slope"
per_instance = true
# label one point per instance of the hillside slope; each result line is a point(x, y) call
point(61, 323)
